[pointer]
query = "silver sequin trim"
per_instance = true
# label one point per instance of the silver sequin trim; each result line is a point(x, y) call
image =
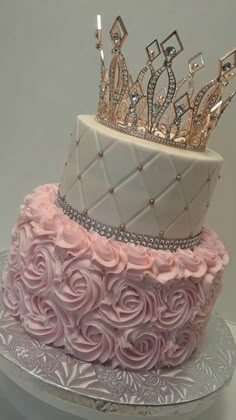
point(125, 236)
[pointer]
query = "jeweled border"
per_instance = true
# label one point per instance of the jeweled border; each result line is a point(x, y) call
point(149, 137)
point(125, 236)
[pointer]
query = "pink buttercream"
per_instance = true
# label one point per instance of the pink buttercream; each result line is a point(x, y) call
point(105, 300)
point(143, 347)
point(166, 265)
point(193, 264)
point(181, 344)
point(127, 303)
point(92, 339)
point(79, 290)
point(109, 257)
point(44, 320)
point(139, 261)
point(14, 292)
point(181, 301)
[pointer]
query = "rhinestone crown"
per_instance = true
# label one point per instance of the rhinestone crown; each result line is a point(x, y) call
point(170, 115)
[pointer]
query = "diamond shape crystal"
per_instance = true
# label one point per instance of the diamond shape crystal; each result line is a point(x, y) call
point(153, 50)
point(118, 32)
point(227, 66)
point(116, 38)
point(134, 97)
point(170, 51)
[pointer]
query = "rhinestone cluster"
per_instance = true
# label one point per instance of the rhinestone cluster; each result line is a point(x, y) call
point(121, 235)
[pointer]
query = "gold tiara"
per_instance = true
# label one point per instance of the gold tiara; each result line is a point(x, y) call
point(170, 115)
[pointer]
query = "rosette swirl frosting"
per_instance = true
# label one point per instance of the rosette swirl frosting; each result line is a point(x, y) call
point(181, 345)
point(127, 303)
point(14, 293)
point(91, 340)
point(104, 300)
point(141, 347)
point(44, 320)
point(79, 290)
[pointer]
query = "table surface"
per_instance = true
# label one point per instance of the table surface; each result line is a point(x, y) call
point(223, 409)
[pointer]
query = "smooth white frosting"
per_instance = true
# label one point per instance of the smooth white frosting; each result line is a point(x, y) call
point(180, 206)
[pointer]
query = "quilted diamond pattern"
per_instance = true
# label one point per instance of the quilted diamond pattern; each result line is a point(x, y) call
point(132, 192)
point(196, 175)
point(118, 165)
point(155, 176)
point(145, 222)
point(169, 205)
point(89, 147)
point(115, 179)
point(214, 176)
point(200, 202)
point(108, 202)
point(94, 183)
point(72, 196)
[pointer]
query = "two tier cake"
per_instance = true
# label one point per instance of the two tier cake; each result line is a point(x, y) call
point(115, 264)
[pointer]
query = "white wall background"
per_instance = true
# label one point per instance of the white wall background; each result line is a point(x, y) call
point(49, 72)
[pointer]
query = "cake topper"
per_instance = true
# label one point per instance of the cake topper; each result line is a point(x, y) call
point(170, 115)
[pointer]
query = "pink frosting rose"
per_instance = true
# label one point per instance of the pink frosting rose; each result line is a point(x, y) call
point(14, 292)
point(201, 319)
point(139, 261)
point(181, 301)
point(212, 286)
point(192, 262)
point(29, 198)
point(210, 242)
point(140, 348)
point(91, 340)
point(181, 345)
point(80, 288)
point(48, 191)
point(49, 225)
point(212, 259)
point(74, 240)
point(39, 266)
point(108, 255)
point(39, 206)
point(166, 266)
point(208, 237)
point(14, 234)
point(13, 255)
point(26, 236)
point(127, 303)
point(44, 320)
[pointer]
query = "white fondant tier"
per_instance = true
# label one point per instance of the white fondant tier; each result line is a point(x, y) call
point(149, 188)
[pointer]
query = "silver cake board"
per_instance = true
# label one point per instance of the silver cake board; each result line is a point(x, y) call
point(92, 391)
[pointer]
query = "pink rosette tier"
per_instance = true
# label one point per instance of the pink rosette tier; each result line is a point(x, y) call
point(105, 300)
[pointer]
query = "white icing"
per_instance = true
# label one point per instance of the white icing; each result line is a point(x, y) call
point(133, 189)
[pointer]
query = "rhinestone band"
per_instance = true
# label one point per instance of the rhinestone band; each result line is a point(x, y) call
point(122, 235)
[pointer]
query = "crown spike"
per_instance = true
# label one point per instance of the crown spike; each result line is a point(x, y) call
point(118, 33)
point(227, 102)
point(170, 93)
point(150, 95)
point(195, 64)
point(218, 110)
point(99, 40)
point(168, 115)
